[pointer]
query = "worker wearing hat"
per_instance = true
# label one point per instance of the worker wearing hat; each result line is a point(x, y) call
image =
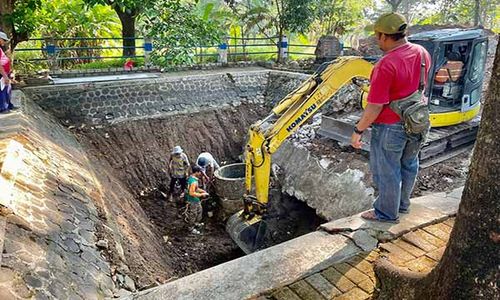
point(178, 167)
point(5, 76)
point(393, 152)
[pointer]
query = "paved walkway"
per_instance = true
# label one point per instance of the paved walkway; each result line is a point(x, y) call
point(417, 251)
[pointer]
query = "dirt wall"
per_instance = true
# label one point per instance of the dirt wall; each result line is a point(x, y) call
point(138, 151)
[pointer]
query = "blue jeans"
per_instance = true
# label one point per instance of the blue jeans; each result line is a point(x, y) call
point(394, 165)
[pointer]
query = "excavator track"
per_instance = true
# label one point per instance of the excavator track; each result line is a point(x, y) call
point(442, 143)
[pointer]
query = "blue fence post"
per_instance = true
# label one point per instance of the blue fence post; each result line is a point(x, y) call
point(50, 47)
point(283, 48)
point(148, 48)
point(223, 52)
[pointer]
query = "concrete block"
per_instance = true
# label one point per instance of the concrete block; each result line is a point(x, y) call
point(448, 204)
point(363, 240)
point(260, 271)
point(333, 195)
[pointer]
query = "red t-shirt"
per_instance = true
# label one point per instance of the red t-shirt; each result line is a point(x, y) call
point(395, 76)
point(4, 62)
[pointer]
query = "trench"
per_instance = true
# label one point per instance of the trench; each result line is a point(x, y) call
point(137, 153)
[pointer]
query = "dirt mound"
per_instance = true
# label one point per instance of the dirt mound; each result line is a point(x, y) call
point(441, 177)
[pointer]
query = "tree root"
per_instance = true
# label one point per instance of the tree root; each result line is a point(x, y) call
point(396, 283)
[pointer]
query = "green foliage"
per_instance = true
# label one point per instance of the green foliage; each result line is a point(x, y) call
point(177, 29)
point(23, 16)
point(334, 14)
point(275, 17)
point(463, 12)
point(71, 18)
point(132, 7)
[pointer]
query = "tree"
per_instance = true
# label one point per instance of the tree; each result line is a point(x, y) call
point(71, 19)
point(127, 11)
point(346, 14)
point(276, 17)
point(178, 29)
point(466, 12)
point(394, 4)
point(16, 19)
point(477, 12)
point(469, 266)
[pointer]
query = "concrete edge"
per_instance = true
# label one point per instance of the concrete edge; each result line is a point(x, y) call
point(424, 211)
point(262, 271)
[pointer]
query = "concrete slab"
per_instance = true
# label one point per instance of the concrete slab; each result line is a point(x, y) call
point(456, 193)
point(446, 203)
point(104, 78)
point(419, 216)
point(259, 272)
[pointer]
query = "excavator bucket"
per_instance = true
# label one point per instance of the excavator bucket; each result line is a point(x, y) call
point(340, 129)
point(247, 234)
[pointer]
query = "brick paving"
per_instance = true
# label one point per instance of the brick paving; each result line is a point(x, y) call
point(418, 251)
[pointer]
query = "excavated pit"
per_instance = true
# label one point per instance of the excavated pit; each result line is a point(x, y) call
point(137, 152)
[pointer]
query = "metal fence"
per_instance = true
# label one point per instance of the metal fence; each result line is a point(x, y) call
point(78, 50)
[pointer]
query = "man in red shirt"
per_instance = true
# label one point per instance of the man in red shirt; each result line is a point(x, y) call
point(393, 152)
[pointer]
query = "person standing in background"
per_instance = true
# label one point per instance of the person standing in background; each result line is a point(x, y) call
point(5, 80)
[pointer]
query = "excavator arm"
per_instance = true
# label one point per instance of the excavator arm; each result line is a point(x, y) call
point(267, 135)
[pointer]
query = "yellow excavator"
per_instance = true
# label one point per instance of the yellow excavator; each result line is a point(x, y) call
point(265, 136)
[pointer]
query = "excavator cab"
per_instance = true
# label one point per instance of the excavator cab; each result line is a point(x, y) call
point(456, 75)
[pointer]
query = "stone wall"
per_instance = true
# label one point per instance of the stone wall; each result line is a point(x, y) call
point(104, 102)
point(281, 84)
point(50, 227)
point(69, 229)
point(98, 102)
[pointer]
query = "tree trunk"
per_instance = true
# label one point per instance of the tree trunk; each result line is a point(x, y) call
point(280, 38)
point(6, 10)
point(477, 12)
point(128, 31)
point(469, 266)
point(394, 4)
